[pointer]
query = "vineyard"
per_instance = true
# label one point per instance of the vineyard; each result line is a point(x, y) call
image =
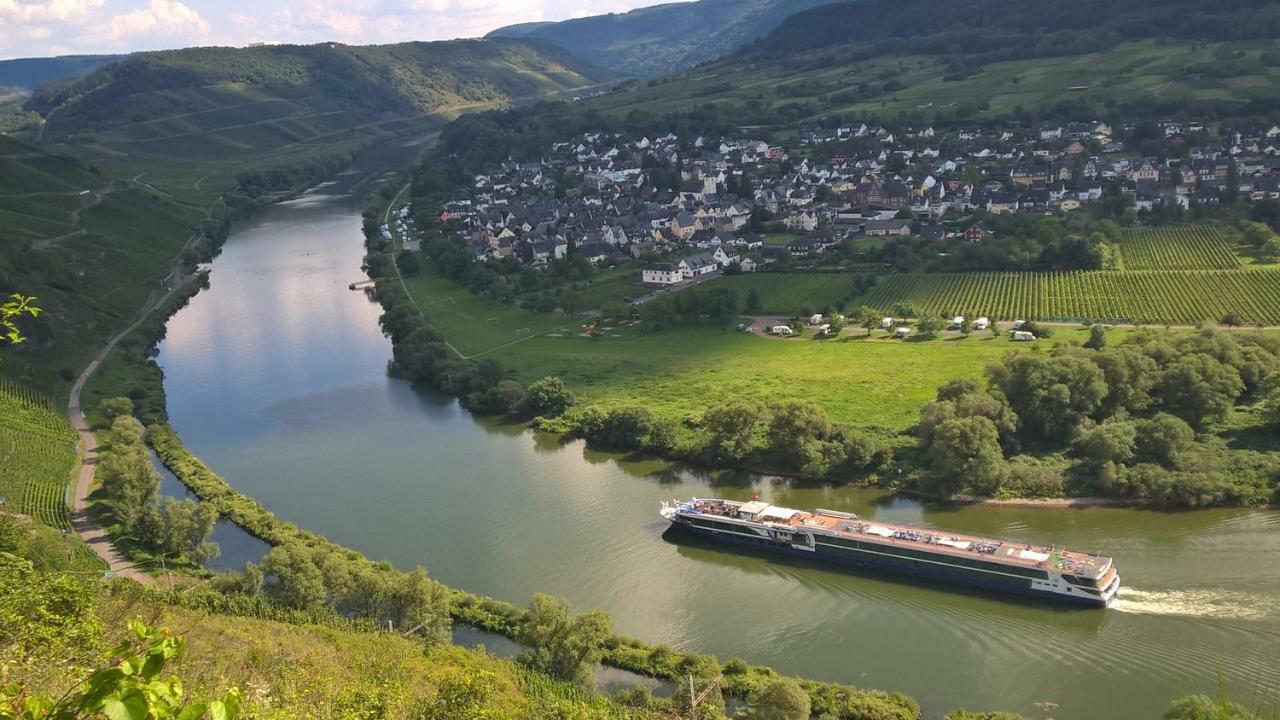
point(1177, 297)
point(37, 455)
point(1185, 247)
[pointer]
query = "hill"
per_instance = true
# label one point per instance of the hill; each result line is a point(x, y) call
point(90, 247)
point(193, 119)
point(663, 38)
point(941, 61)
point(29, 73)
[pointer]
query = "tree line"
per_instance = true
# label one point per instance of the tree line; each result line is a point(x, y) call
point(1137, 419)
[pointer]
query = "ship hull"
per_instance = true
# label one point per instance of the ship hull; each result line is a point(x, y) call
point(941, 574)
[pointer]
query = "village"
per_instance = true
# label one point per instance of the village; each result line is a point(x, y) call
point(687, 209)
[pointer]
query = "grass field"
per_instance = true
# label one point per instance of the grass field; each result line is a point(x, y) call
point(872, 381)
point(37, 455)
point(1189, 247)
point(475, 324)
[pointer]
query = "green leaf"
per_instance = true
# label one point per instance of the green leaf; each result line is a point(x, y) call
point(152, 666)
point(194, 711)
point(132, 706)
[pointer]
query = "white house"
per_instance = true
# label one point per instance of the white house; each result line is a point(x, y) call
point(697, 265)
point(722, 258)
point(661, 274)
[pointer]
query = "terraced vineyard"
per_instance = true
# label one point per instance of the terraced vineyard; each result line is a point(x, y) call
point(1177, 297)
point(1186, 247)
point(37, 455)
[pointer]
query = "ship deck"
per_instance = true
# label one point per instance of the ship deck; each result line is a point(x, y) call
point(908, 536)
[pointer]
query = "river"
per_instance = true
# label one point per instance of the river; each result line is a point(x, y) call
point(276, 377)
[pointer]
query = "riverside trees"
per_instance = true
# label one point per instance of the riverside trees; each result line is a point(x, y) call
point(1128, 414)
point(131, 483)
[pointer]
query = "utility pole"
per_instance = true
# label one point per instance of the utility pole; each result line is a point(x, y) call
point(695, 700)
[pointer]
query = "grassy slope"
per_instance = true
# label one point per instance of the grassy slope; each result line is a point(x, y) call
point(313, 671)
point(1129, 72)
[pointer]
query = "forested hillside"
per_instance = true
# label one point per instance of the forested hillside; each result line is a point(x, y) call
point(406, 78)
point(29, 73)
point(192, 119)
point(663, 38)
point(939, 61)
point(89, 247)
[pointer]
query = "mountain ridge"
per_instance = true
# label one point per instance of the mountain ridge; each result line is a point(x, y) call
point(662, 38)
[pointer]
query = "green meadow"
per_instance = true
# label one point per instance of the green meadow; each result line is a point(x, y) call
point(866, 380)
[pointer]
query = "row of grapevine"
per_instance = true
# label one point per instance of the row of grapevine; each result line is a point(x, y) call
point(1182, 247)
point(1179, 297)
point(37, 456)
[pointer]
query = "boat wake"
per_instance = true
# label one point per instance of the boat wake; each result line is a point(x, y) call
point(1215, 604)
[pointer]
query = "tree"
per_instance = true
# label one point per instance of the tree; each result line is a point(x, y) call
point(867, 317)
point(571, 301)
point(407, 262)
point(547, 397)
point(1050, 394)
point(835, 324)
point(753, 300)
point(1197, 387)
point(11, 311)
point(735, 429)
point(561, 646)
point(966, 456)
point(505, 397)
point(1109, 442)
point(929, 326)
point(182, 527)
point(294, 580)
point(782, 699)
point(129, 478)
point(1203, 707)
point(113, 408)
point(1097, 338)
point(1164, 439)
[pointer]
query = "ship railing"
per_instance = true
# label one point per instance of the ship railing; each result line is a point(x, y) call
point(835, 514)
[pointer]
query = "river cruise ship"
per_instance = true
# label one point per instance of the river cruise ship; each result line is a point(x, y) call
point(1049, 572)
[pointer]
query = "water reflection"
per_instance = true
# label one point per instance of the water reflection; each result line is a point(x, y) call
point(236, 546)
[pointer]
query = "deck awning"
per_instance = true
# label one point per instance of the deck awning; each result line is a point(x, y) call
point(755, 507)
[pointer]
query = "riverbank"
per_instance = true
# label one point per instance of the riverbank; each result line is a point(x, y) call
point(858, 399)
point(131, 367)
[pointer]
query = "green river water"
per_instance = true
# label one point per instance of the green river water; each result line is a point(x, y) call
point(276, 377)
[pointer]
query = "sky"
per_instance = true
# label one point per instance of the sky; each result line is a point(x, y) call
point(41, 28)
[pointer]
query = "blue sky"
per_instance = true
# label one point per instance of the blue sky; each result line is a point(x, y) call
point(38, 28)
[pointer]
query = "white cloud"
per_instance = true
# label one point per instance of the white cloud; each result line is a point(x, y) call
point(160, 17)
point(50, 11)
point(87, 26)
